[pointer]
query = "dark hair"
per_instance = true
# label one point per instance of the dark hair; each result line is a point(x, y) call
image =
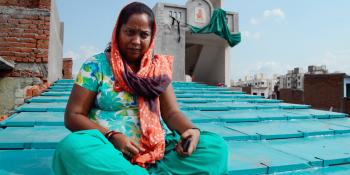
point(130, 9)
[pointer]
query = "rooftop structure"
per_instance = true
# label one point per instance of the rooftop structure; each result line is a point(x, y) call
point(263, 136)
point(204, 57)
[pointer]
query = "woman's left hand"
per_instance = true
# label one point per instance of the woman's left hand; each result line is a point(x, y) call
point(191, 134)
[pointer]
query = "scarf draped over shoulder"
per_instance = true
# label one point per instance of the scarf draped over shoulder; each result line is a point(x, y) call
point(148, 84)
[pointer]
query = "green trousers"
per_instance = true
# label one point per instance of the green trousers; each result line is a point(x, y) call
point(89, 152)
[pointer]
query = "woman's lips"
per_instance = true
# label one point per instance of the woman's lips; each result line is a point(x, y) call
point(135, 50)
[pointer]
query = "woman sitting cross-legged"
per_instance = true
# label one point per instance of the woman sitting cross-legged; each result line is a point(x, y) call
point(116, 108)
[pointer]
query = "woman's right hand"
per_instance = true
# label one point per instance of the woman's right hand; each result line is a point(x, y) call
point(124, 144)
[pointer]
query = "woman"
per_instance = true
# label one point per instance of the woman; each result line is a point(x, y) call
point(115, 107)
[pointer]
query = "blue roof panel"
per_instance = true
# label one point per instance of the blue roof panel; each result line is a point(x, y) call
point(29, 162)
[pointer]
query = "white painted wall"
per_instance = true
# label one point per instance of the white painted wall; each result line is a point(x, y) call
point(55, 45)
point(213, 64)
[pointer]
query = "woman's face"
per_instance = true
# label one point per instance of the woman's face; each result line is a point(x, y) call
point(135, 37)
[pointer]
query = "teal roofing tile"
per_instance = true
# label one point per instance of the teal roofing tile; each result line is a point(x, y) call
point(326, 150)
point(221, 130)
point(255, 158)
point(39, 137)
point(35, 118)
point(318, 113)
point(267, 129)
point(61, 86)
point(245, 158)
point(234, 115)
point(286, 105)
point(48, 99)
point(56, 94)
point(29, 162)
point(271, 114)
point(329, 170)
point(42, 107)
point(199, 117)
point(316, 127)
point(65, 81)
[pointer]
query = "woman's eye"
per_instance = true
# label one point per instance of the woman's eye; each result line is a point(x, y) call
point(130, 32)
point(144, 35)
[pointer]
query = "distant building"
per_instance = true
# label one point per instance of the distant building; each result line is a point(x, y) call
point(317, 69)
point(294, 79)
point(328, 91)
point(257, 85)
point(318, 88)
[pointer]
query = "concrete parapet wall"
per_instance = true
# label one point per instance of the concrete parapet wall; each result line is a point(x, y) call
point(55, 53)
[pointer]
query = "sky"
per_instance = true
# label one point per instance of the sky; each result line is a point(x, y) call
point(276, 35)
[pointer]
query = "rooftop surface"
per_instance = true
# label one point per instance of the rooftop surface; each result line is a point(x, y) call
point(264, 136)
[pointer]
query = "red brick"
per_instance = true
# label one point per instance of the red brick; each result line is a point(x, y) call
point(17, 30)
point(45, 59)
point(31, 60)
point(29, 35)
point(25, 60)
point(20, 54)
point(27, 26)
point(26, 50)
point(4, 34)
point(38, 60)
point(29, 92)
point(30, 45)
point(12, 21)
point(19, 59)
point(12, 39)
point(33, 26)
point(42, 46)
point(42, 37)
point(28, 40)
point(5, 30)
point(25, 21)
point(41, 56)
point(30, 31)
point(14, 49)
point(17, 35)
point(38, 22)
point(6, 53)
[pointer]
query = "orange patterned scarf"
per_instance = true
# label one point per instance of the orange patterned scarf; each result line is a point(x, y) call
point(148, 83)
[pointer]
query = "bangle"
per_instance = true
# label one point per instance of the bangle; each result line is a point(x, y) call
point(197, 129)
point(109, 134)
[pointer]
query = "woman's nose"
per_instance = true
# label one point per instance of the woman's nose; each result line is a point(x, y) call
point(136, 40)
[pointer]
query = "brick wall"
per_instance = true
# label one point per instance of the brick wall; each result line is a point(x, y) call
point(346, 105)
point(41, 4)
point(324, 91)
point(291, 96)
point(67, 68)
point(24, 33)
point(247, 89)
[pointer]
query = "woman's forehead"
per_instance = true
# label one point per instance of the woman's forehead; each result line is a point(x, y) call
point(139, 22)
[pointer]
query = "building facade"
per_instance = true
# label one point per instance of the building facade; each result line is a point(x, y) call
point(204, 57)
point(258, 85)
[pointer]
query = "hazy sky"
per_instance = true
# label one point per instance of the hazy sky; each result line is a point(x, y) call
point(276, 35)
